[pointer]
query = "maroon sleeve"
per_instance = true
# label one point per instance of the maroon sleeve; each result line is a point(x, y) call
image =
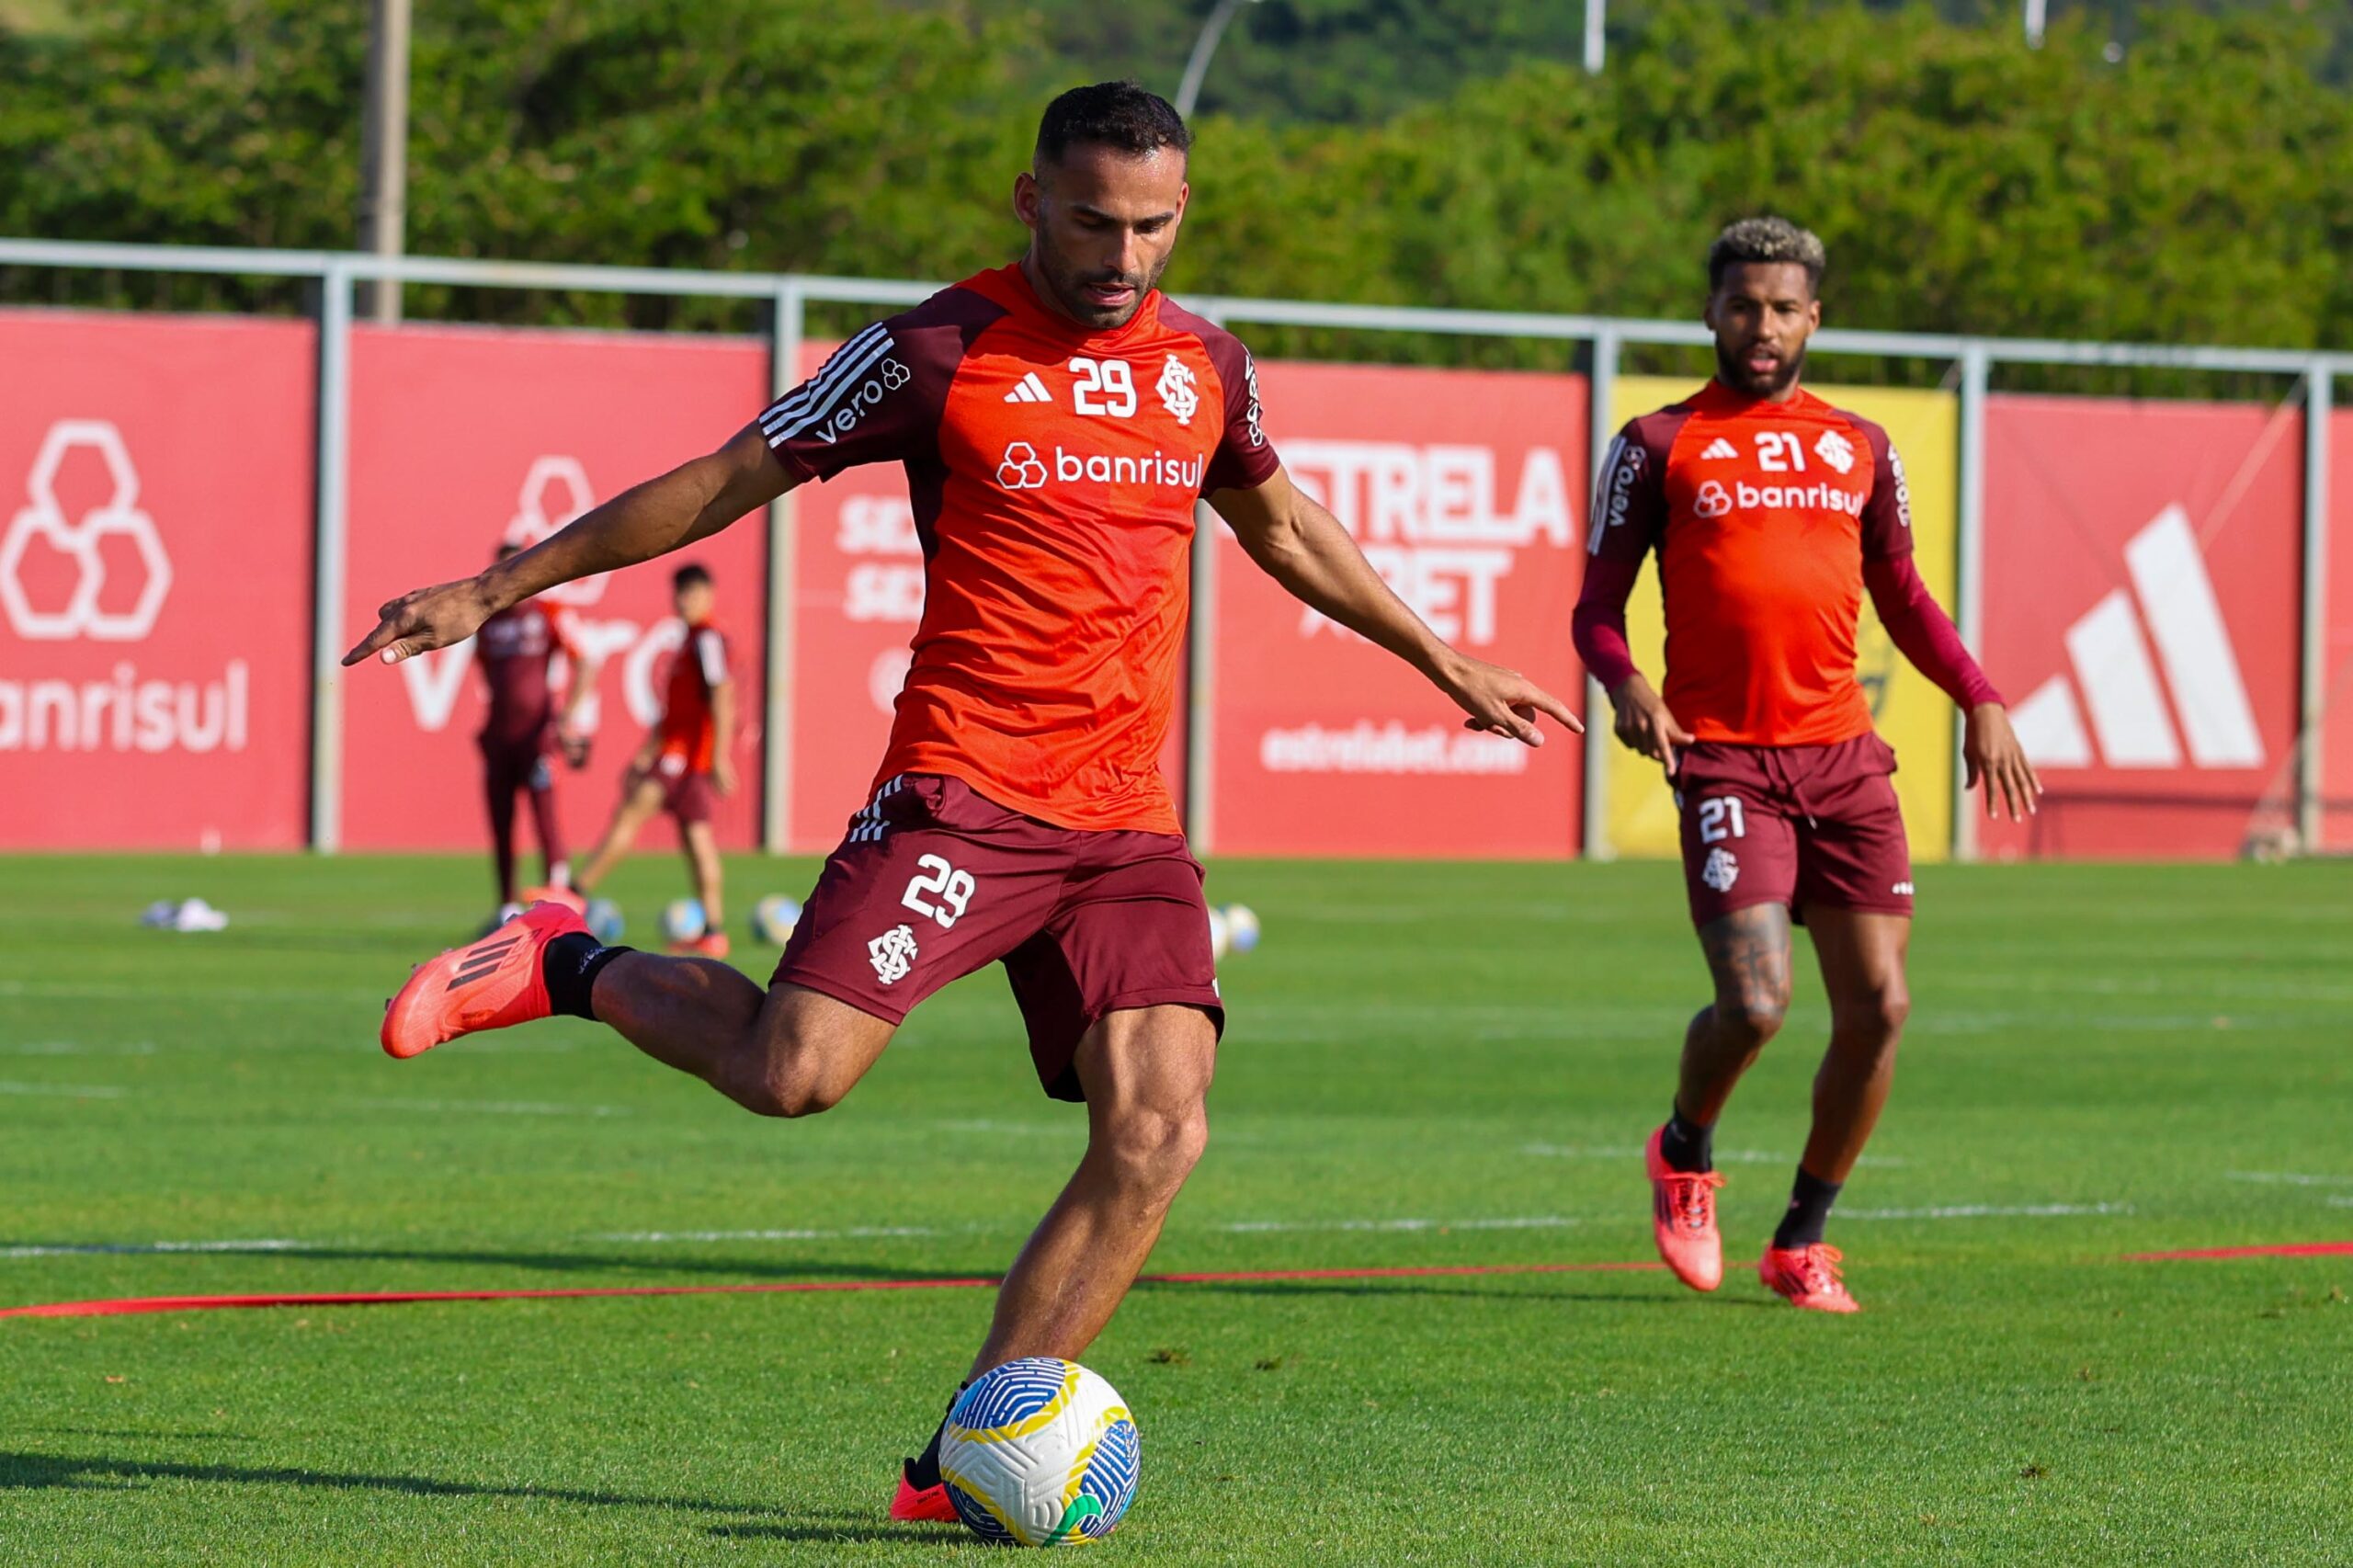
point(1629, 515)
point(1887, 510)
point(1244, 458)
point(1922, 631)
point(879, 396)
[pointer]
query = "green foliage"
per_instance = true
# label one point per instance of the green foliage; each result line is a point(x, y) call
point(2193, 192)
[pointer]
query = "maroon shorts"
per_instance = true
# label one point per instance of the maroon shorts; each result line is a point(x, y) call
point(1798, 825)
point(688, 796)
point(936, 880)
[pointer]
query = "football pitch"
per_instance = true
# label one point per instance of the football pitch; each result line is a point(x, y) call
point(1427, 1068)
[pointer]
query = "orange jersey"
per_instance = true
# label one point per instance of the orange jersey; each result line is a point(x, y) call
point(689, 731)
point(1054, 471)
point(1763, 514)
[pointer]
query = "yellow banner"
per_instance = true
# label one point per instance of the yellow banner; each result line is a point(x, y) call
point(1913, 715)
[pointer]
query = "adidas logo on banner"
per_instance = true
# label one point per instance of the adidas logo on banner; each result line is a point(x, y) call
point(2120, 684)
point(1718, 450)
point(1030, 389)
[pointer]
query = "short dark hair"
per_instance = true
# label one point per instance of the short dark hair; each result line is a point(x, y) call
point(1767, 239)
point(693, 574)
point(1119, 115)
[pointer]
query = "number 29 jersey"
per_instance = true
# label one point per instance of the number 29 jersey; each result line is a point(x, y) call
point(1763, 514)
point(1053, 473)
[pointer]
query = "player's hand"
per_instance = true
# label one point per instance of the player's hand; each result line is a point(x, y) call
point(722, 777)
point(576, 748)
point(427, 618)
point(1990, 749)
point(1502, 702)
point(1644, 724)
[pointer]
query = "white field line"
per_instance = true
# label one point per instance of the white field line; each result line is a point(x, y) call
point(183, 991)
point(67, 1091)
point(2288, 1178)
point(492, 1108)
point(850, 1233)
point(1988, 1211)
point(1631, 1151)
point(2339, 1200)
point(1526, 1222)
point(147, 1249)
point(76, 1047)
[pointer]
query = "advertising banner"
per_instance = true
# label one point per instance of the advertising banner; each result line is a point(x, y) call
point(2141, 570)
point(2337, 688)
point(154, 581)
point(1466, 490)
point(461, 437)
point(1910, 713)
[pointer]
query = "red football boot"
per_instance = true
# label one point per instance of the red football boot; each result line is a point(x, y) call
point(1807, 1277)
point(929, 1506)
point(489, 983)
point(1683, 1219)
point(709, 945)
point(552, 894)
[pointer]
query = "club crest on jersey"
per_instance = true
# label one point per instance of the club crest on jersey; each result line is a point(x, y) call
point(1021, 469)
point(1720, 872)
point(1178, 393)
point(1836, 450)
point(1713, 500)
point(892, 954)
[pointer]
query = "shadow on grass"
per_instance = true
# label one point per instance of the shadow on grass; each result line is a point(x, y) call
point(1678, 1298)
point(844, 1528)
point(36, 1472)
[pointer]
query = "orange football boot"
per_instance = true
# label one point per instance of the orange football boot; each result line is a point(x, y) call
point(1683, 1219)
point(709, 945)
point(929, 1506)
point(1807, 1277)
point(489, 983)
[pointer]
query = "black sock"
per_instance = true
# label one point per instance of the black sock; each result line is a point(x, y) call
point(923, 1471)
point(569, 966)
point(1686, 1145)
point(1810, 1201)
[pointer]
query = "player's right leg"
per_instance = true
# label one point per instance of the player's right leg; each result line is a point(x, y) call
point(640, 802)
point(499, 782)
point(698, 841)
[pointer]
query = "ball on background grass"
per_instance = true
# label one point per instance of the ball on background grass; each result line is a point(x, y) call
point(682, 919)
point(605, 921)
point(1241, 926)
point(773, 917)
point(1040, 1452)
point(1220, 935)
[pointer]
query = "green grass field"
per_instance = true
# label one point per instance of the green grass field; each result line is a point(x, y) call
point(1427, 1065)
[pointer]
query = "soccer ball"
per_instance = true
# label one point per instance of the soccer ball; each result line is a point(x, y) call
point(773, 917)
point(682, 919)
point(1221, 934)
point(1241, 926)
point(605, 921)
point(1040, 1452)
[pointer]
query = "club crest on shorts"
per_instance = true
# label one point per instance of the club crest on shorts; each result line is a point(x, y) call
point(1721, 872)
point(893, 954)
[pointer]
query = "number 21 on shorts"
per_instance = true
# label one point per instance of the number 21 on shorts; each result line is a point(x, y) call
point(1720, 818)
point(934, 878)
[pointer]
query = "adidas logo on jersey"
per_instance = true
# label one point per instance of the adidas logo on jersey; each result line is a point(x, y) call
point(1719, 449)
point(2110, 655)
point(1030, 389)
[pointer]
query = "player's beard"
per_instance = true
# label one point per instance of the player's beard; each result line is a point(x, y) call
point(1069, 284)
point(1734, 373)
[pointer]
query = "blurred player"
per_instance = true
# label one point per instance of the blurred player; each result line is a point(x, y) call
point(1772, 512)
point(1058, 419)
point(685, 763)
point(515, 650)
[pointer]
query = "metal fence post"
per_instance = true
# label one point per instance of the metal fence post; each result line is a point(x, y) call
point(332, 465)
point(2314, 671)
point(1969, 570)
point(788, 309)
point(1601, 392)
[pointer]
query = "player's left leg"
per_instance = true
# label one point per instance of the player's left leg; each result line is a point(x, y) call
point(640, 802)
point(691, 802)
point(499, 782)
point(548, 824)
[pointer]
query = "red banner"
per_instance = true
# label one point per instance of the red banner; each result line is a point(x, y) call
point(2141, 570)
point(1466, 490)
point(462, 437)
point(154, 581)
point(2336, 666)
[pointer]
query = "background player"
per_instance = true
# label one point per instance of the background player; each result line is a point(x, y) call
point(685, 763)
point(515, 650)
point(1771, 512)
point(1058, 420)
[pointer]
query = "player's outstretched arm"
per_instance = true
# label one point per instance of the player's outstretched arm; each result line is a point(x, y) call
point(1303, 547)
point(691, 502)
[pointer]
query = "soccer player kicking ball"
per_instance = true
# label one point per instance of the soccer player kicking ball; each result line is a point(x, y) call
point(1771, 512)
point(685, 763)
point(1057, 419)
point(515, 649)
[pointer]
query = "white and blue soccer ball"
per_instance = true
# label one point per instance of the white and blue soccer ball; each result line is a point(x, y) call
point(682, 919)
point(1040, 1452)
point(605, 921)
point(1241, 928)
point(773, 917)
point(1221, 934)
